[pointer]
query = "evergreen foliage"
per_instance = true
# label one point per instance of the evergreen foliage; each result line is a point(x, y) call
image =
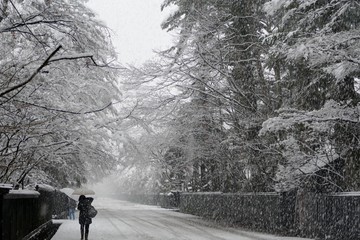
point(257, 96)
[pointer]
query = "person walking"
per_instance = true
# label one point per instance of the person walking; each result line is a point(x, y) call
point(71, 208)
point(84, 218)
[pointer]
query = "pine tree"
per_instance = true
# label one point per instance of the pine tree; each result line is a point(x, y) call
point(312, 46)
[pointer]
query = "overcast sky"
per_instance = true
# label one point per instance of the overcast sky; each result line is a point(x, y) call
point(136, 26)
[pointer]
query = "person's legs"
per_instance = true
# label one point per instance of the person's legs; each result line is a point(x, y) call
point(72, 214)
point(82, 231)
point(87, 231)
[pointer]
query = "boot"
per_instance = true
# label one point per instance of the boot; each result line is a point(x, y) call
point(86, 236)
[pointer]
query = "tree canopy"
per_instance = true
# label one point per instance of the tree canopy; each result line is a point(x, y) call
point(254, 96)
point(58, 87)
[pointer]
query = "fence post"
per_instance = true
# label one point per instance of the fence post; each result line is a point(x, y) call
point(4, 189)
point(287, 211)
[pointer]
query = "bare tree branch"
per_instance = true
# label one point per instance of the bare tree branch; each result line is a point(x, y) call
point(46, 62)
point(66, 111)
point(72, 57)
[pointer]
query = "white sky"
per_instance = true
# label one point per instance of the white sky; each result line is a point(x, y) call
point(136, 26)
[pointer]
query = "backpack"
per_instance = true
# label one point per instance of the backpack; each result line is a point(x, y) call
point(92, 211)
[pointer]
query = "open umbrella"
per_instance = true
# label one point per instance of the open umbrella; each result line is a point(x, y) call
point(69, 192)
point(83, 191)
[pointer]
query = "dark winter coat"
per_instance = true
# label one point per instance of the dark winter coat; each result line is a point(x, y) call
point(71, 203)
point(84, 207)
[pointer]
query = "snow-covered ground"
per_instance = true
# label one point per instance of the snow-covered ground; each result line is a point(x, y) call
point(118, 220)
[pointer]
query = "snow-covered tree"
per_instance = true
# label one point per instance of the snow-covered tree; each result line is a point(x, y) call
point(57, 90)
point(254, 96)
point(314, 46)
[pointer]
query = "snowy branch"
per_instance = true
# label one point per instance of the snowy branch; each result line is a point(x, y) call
point(46, 62)
point(66, 111)
point(72, 57)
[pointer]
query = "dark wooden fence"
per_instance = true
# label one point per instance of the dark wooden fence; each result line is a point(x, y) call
point(310, 215)
point(271, 212)
point(25, 212)
point(169, 200)
point(20, 215)
point(320, 216)
point(329, 216)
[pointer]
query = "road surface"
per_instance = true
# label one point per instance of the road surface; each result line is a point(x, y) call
point(119, 220)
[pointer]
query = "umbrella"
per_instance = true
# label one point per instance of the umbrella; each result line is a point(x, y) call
point(83, 191)
point(69, 192)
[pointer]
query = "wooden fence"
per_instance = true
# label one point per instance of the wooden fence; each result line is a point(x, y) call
point(329, 216)
point(25, 212)
point(20, 215)
point(310, 215)
point(271, 212)
point(320, 216)
point(170, 200)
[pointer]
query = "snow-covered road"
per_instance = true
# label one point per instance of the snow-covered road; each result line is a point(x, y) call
point(118, 220)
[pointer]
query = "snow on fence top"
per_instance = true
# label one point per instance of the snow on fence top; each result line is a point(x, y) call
point(344, 194)
point(243, 193)
point(22, 193)
point(202, 193)
point(6, 186)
